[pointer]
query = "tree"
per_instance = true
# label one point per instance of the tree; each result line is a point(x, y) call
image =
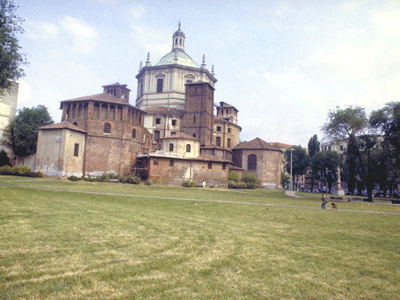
point(313, 148)
point(11, 58)
point(21, 133)
point(4, 159)
point(300, 161)
point(325, 165)
point(352, 124)
point(387, 121)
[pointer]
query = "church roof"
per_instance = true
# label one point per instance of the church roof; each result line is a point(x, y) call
point(182, 59)
point(256, 144)
point(62, 125)
point(99, 97)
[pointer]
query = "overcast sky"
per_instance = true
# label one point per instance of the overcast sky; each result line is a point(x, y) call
point(282, 64)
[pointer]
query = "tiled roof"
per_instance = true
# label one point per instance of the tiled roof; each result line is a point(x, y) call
point(282, 145)
point(99, 97)
point(256, 144)
point(62, 125)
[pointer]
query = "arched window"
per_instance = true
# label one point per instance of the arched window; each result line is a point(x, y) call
point(252, 162)
point(171, 147)
point(134, 132)
point(75, 123)
point(188, 148)
point(107, 128)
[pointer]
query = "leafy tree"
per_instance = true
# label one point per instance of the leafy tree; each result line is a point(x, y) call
point(352, 124)
point(300, 161)
point(21, 133)
point(313, 148)
point(11, 58)
point(325, 165)
point(387, 121)
point(285, 179)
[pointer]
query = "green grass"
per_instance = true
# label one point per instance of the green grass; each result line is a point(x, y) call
point(63, 245)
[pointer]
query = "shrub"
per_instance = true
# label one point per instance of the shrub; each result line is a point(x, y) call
point(251, 181)
point(74, 178)
point(188, 183)
point(148, 182)
point(19, 171)
point(108, 176)
point(233, 177)
point(237, 185)
point(130, 179)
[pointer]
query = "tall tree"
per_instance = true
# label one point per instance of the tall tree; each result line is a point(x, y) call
point(21, 133)
point(300, 161)
point(11, 58)
point(313, 148)
point(325, 165)
point(352, 124)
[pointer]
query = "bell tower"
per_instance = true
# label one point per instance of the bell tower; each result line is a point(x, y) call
point(178, 39)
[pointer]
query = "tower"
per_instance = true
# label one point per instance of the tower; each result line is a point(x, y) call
point(198, 119)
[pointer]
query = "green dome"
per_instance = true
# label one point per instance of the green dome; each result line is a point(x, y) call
point(183, 60)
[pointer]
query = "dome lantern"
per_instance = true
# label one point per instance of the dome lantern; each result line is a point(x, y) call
point(178, 39)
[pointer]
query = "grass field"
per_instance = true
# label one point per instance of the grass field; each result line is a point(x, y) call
point(82, 240)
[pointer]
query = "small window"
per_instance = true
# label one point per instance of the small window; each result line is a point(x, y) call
point(76, 150)
point(229, 130)
point(210, 165)
point(134, 132)
point(160, 83)
point(75, 123)
point(223, 166)
point(171, 162)
point(218, 141)
point(173, 133)
point(158, 121)
point(194, 135)
point(171, 147)
point(107, 128)
point(173, 122)
point(218, 128)
point(188, 148)
point(189, 81)
point(252, 162)
point(156, 135)
point(229, 143)
point(194, 119)
point(155, 162)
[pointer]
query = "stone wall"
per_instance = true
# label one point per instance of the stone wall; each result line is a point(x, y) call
point(161, 172)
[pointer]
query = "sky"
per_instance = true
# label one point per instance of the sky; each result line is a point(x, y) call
point(283, 64)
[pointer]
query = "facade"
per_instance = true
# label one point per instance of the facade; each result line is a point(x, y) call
point(60, 150)
point(8, 109)
point(114, 132)
point(175, 133)
point(261, 159)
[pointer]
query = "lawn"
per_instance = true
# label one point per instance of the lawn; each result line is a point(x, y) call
point(82, 240)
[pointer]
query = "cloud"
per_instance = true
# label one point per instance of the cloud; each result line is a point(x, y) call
point(24, 92)
point(388, 22)
point(137, 11)
point(38, 31)
point(152, 40)
point(83, 37)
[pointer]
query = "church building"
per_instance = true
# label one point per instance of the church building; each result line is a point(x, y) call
point(174, 133)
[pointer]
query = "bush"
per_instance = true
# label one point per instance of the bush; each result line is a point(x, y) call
point(189, 183)
point(251, 181)
point(19, 171)
point(148, 182)
point(107, 176)
point(237, 185)
point(130, 179)
point(73, 178)
point(233, 177)
point(4, 159)
point(94, 179)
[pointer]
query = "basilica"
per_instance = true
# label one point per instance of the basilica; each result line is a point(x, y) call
point(175, 132)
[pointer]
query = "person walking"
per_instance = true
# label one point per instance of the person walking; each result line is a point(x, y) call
point(324, 202)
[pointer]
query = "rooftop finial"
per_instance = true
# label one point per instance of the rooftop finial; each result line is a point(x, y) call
point(148, 63)
point(140, 65)
point(203, 65)
point(212, 70)
point(179, 24)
